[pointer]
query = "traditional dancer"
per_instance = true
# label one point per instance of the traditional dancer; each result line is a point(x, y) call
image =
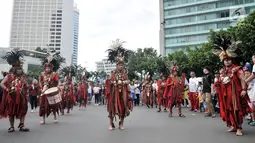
point(231, 89)
point(160, 93)
point(148, 92)
point(82, 93)
point(119, 98)
point(173, 91)
point(68, 95)
point(14, 101)
point(49, 79)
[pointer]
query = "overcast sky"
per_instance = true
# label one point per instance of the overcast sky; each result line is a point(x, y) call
point(101, 21)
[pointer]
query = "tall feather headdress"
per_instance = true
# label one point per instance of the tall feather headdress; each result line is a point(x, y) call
point(14, 58)
point(225, 47)
point(117, 53)
point(53, 60)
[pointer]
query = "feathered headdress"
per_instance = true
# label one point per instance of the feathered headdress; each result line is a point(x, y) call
point(172, 66)
point(116, 52)
point(14, 58)
point(53, 60)
point(68, 71)
point(225, 47)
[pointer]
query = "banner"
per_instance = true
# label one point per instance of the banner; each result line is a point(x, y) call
point(236, 13)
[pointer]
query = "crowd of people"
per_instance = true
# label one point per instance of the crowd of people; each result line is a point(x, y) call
point(230, 91)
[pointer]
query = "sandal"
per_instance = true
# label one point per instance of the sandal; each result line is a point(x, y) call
point(181, 115)
point(22, 128)
point(11, 130)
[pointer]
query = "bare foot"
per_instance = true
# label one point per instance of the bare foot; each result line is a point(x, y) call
point(110, 128)
point(239, 132)
point(122, 127)
point(232, 129)
point(42, 122)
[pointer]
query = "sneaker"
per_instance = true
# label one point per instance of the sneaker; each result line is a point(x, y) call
point(32, 111)
point(252, 123)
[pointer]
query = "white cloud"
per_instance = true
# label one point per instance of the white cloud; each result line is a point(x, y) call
point(101, 21)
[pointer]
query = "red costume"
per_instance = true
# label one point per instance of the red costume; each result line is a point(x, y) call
point(119, 97)
point(48, 81)
point(231, 87)
point(82, 92)
point(173, 91)
point(160, 94)
point(15, 98)
point(68, 98)
point(147, 93)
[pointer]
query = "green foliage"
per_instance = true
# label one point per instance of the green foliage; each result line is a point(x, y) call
point(143, 61)
point(196, 59)
point(34, 72)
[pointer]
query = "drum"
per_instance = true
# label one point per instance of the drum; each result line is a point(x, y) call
point(53, 95)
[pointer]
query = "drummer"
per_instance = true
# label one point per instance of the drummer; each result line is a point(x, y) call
point(49, 79)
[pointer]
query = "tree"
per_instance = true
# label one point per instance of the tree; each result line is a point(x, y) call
point(41, 50)
point(143, 61)
point(245, 32)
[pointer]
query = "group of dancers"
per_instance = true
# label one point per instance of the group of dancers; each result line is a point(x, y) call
point(230, 86)
point(231, 89)
point(53, 98)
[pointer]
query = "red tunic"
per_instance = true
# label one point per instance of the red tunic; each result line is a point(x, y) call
point(160, 92)
point(15, 103)
point(49, 80)
point(119, 98)
point(82, 93)
point(233, 107)
point(147, 94)
point(68, 98)
point(173, 91)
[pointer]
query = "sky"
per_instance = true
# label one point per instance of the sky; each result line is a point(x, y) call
point(101, 21)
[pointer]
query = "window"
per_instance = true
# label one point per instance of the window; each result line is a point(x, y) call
point(58, 25)
point(58, 44)
point(58, 33)
point(52, 29)
point(58, 37)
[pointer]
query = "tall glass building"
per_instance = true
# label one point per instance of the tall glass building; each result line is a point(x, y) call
point(188, 22)
point(76, 15)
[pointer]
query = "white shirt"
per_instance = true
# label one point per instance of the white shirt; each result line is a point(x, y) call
point(96, 89)
point(155, 86)
point(137, 90)
point(90, 90)
point(193, 84)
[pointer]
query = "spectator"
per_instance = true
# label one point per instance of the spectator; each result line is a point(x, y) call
point(137, 93)
point(96, 91)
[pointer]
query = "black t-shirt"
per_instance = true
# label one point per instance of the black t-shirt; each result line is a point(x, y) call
point(207, 82)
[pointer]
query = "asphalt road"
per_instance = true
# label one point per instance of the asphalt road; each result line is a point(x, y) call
point(142, 126)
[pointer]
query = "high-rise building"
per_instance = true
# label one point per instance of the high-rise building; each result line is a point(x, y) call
point(75, 35)
point(47, 24)
point(105, 66)
point(188, 22)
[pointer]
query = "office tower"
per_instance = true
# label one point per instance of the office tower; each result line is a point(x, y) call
point(188, 22)
point(47, 24)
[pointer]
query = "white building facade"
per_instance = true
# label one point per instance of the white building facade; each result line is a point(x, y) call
point(76, 15)
point(47, 24)
point(105, 66)
point(31, 58)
